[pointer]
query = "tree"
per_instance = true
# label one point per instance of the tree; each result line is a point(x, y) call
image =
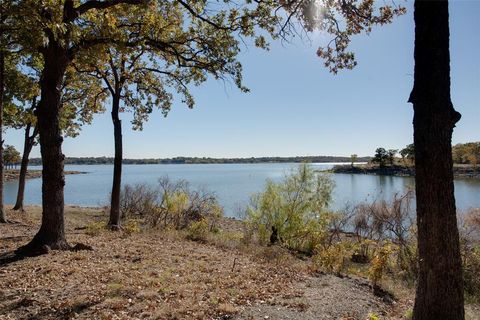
point(381, 157)
point(466, 153)
point(440, 285)
point(341, 19)
point(132, 86)
point(5, 29)
point(3, 218)
point(70, 28)
point(353, 159)
point(293, 211)
point(391, 156)
point(28, 143)
point(81, 98)
point(139, 83)
point(21, 90)
point(408, 153)
point(11, 156)
point(473, 153)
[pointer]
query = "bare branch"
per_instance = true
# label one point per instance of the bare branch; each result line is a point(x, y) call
point(96, 4)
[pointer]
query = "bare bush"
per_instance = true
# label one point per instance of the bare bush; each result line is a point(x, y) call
point(170, 204)
point(469, 227)
point(393, 222)
point(381, 220)
point(138, 200)
point(339, 222)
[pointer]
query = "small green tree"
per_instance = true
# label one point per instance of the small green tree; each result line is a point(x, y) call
point(293, 211)
point(353, 159)
point(11, 157)
point(381, 157)
point(391, 156)
point(408, 154)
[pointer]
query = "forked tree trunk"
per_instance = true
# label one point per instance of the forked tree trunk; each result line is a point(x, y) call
point(3, 218)
point(114, 222)
point(28, 143)
point(52, 230)
point(440, 286)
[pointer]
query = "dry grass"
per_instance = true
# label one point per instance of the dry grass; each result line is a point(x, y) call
point(147, 275)
point(161, 275)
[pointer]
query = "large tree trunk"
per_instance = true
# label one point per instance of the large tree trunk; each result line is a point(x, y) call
point(440, 286)
point(29, 141)
point(114, 222)
point(52, 230)
point(3, 218)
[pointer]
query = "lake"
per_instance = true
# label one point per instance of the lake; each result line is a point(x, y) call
point(232, 183)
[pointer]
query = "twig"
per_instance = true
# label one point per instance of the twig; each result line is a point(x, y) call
point(234, 261)
point(14, 237)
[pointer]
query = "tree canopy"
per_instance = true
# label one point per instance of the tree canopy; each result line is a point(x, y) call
point(11, 156)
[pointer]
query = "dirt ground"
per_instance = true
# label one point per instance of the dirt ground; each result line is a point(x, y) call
point(161, 275)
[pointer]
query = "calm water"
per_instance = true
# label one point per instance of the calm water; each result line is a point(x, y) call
point(233, 183)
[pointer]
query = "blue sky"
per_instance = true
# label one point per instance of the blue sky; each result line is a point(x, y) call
point(296, 107)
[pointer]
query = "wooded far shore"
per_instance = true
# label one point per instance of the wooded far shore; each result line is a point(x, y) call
point(206, 160)
point(459, 170)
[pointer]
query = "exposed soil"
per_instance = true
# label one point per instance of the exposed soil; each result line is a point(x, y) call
point(11, 175)
point(161, 275)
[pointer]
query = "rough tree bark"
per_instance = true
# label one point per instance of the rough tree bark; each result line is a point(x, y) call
point(3, 218)
point(440, 286)
point(114, 222)
point(29, 142)
point(52, 230)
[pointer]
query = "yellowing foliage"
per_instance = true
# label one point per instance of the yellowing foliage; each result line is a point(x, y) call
point(293, 212)
point(379, 263)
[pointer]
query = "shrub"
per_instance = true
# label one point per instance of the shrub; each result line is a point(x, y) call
point(373, 316)
point(138, 200)
point(470, 249)
point(333, 258)
point(198, 230)
point(379, 263)
point(170, 205)
point(94, 228)
point(408, 314)
point(292, 212)
point(379, 223)
point(131, 226)
point(180, 206)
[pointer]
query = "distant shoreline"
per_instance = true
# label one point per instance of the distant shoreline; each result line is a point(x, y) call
point(459, 171)
point(12, 175)
point(206, 160)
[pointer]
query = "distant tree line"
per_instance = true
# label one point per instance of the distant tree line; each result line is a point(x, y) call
point(466, 153)
point(11, 157)
point(462, 153)
point(204, 160)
